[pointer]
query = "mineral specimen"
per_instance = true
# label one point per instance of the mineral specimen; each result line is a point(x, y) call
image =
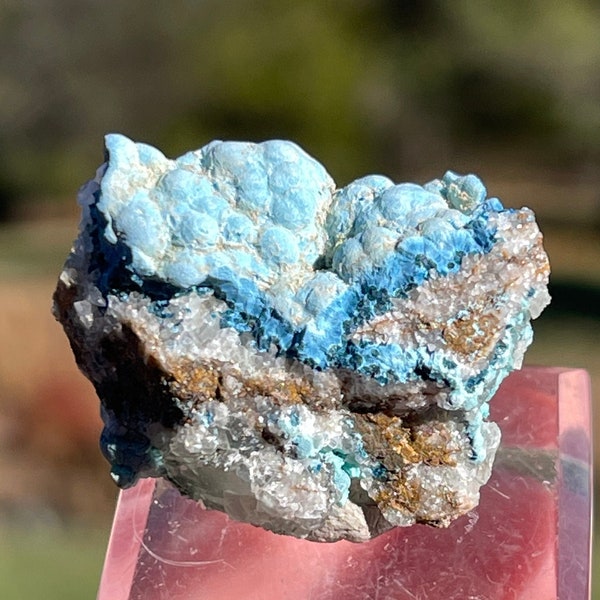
point(312, 360)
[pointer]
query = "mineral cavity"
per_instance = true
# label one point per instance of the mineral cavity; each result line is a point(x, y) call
point(314, 360)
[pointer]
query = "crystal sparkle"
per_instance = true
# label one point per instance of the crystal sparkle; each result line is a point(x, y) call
point(312, 360)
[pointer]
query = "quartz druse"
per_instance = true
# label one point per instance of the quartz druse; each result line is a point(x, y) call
point(313, 360)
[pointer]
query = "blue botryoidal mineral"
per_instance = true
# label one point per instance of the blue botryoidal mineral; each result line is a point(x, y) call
point(314, 360)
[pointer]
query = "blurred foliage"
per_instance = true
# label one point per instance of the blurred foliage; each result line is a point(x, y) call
point(65, 563)
point(366, 85)
point(509, 90)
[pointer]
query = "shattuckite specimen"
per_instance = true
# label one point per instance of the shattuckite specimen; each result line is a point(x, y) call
point(314, 360)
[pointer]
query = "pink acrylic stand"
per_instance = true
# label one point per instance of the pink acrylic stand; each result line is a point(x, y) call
point(528, 539)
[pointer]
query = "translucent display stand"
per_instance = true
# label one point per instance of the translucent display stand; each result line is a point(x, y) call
point(528, 539)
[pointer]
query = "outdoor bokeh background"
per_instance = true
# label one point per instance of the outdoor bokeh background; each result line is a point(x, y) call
point(408, 88)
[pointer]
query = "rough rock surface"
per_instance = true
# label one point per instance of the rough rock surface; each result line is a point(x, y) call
point(312, 360)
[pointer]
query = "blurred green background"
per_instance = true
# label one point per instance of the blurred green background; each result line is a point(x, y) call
point(409, 88)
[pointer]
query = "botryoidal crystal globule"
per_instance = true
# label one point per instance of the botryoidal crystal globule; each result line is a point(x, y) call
point(312, 360)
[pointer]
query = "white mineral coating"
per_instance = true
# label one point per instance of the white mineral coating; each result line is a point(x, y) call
point(312, 360)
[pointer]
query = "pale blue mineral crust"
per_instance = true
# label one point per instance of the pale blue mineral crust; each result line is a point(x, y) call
point(317, 361)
